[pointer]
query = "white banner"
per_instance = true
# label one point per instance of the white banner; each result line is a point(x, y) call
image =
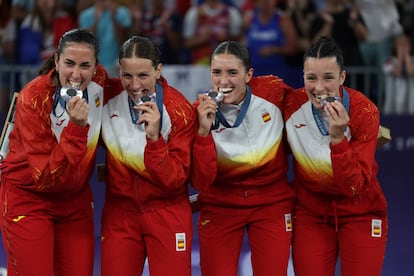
point(190, 80)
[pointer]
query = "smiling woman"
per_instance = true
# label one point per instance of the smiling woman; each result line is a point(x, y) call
point(239, 168)
point(340, 205)
point(46, 200)
point(148, 160)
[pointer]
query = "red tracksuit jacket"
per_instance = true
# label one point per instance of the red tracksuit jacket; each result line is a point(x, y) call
point(249, 159)
point(335, 180)
point(48, 154)
point(142, 174)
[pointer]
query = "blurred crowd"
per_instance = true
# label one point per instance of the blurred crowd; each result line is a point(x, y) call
point(276, 31)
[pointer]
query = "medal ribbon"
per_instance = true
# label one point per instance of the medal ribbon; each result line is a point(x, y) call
point(319, 122)
point(159, 99)
point(240, 116)
point(59, 99)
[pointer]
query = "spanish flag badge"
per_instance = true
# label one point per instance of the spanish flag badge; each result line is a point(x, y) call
point(266, 117)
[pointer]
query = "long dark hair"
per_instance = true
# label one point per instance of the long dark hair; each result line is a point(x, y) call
point(74, 35)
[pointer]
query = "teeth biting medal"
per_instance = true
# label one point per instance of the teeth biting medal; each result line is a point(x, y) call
point(68, 93)
point(146, 98)
point(324, 99)
point(217, 96)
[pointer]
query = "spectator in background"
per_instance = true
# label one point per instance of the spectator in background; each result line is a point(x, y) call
point(5, 7)
point(66, 18)
point(9, 42)
point(206, 25)
point(246, 8)
point(136, 8)
point(399, 78)
point(342, 21)
point(39, 34)
point(82, 5)
point(319, 4)
point(243, 5)
point(35, 36)
point(382, 21)
point(271, 37)
point(227, 2)
point(20, 9)
point(182, 6)
point(302, 13)
point(111, 23)
point(163, 26)
point(406, 12)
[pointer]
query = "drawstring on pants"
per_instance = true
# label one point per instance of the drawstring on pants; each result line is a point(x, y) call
point(335, 216)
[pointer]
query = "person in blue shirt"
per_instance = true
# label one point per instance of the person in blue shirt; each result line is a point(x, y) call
point(111, 23)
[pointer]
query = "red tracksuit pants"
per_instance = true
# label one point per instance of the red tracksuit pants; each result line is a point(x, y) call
point(221, 233)
point(163, 235)
point(46, 236)
point(359, 241)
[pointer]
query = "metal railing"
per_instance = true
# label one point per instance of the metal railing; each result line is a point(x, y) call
point(372, 80)
point(16, 76)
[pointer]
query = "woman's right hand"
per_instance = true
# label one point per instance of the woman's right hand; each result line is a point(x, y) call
point(206, 114)
point(78, 110)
